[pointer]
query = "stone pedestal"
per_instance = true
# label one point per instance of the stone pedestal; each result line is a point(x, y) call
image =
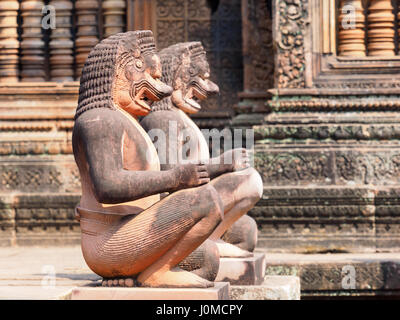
point(220, 291)
point(273, 288)
point(363, 275)
point(242, 271)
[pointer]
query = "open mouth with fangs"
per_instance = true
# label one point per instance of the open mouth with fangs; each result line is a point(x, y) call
point(195, 96)
point(145, 98)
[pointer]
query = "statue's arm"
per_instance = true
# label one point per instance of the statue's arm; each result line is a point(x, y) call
point(216, 167)
point(112, 183)
point(229, 161)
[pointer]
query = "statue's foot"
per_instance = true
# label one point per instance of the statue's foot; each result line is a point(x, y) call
point(174, 278)
point(227, 250)
point(119, 282)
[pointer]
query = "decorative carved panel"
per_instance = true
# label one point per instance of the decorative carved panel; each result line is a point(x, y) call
point(290, 26)
point(257, 45)
point(220, 31)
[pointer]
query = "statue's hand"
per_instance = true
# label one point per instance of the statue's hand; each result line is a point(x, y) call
point(191, 175)
point(236, 159)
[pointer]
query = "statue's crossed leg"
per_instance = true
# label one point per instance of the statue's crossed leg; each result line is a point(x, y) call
point(148, 247)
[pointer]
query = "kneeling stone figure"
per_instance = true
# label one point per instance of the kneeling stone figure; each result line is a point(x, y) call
point(186, 69)
point(129, 235)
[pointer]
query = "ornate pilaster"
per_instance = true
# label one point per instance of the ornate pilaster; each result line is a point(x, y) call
point(381, 28)
point(114, 16)
point(9, 43)
point(291, 19)
point(61, 44)
point(258, 64)
point(87, 34)
point(32, 45)
point(351, 29)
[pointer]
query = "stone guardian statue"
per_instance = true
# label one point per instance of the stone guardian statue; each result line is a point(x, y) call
point(129, 235)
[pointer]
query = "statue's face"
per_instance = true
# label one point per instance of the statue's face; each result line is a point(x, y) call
point(140, 85)
point(192, 85)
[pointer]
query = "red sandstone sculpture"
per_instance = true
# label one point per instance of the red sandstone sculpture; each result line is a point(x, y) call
point(186, 69)
point(128, 234)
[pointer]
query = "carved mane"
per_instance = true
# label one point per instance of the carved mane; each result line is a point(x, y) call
point(100, 67)
point(172, 65)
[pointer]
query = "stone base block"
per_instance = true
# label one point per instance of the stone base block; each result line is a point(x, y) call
point(220, 291)
point(340, 275)
point(273, 288)
point(242, 271)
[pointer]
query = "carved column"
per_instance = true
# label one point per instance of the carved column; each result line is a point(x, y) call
point(87, 34)
point(351, 29)
point(32, 45)
point(9, 43)
point(398, 26)
point(114, 16)
point(61, 44)
point(381, 28)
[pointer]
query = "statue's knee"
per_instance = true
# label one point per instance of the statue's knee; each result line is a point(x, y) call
point(208, 204)
point(254, 185)
point(252, 233)
point(211, 260)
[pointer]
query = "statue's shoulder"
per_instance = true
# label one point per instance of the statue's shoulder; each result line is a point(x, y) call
point(159, 119)
point(100, 122)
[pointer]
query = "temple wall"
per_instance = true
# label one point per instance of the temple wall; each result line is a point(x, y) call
point(324, 112)
point(327, 143)
point(39, 83)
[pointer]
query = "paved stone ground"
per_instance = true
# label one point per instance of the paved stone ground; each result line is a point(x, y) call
point(27, 272)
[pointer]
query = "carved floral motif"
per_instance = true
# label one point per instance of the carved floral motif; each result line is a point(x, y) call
point(291, 19)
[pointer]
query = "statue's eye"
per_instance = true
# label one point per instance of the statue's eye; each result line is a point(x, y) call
point(205, 75)
point(138, 64)
point(192, 71)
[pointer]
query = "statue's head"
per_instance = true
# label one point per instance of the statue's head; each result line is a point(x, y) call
point(186, 69)
point(123, 71)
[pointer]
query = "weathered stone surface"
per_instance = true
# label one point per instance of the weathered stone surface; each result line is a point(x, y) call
point(220, 291)
point(42, 272)
point(340, 274)
point(330, 181)
point(273, 288)
point(242, 271)
point(39, 180)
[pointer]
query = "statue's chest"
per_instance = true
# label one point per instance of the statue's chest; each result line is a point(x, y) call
point(192, 140)
point(138, 151)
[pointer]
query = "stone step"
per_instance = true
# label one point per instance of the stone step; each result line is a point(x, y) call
point(273, 288)
point(326, 275)
point(220, 291)
point(242, 271)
